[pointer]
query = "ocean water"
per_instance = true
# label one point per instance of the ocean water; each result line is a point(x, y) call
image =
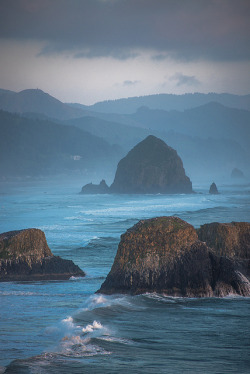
point(64, 327)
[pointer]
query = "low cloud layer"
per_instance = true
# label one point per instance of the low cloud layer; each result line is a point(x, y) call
point(184, 80)
point(184, 29)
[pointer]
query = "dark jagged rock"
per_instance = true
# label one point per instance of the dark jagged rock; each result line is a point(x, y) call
point(164, 255)
point(91, 188)
point(237, 174)
point(213, 189)
point(25, 255)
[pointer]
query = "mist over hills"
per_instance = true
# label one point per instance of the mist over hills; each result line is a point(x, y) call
point(37, 101)
point(210, 137)
point(33, 147)
point(169, 102)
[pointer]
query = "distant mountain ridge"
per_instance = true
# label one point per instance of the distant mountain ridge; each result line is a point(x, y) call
point(212, 135)
point(37, 101)
point(170, 102)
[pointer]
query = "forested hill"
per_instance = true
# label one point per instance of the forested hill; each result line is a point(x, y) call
point(33, 147)
point(37, 101)
point(170, 102)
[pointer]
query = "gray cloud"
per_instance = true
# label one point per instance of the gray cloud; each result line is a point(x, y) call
point(184, 80)
point(130, 83)
point(183, 29)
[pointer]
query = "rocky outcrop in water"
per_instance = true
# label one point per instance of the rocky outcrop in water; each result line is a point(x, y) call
point(213, 190)
point(150, 167)
point(164, 255)
point(90, 188)
point(25, 255)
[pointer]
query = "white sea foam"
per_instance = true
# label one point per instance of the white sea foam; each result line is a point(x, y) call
point(68, 323)
point(75, 278)
point(76, 346)
point(22, 293)
point(112, 339)
point(90, 328)
point(96, 301)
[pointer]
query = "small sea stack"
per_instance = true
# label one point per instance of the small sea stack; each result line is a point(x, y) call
point(90, 188)
point(25, 256)
point(213, 190)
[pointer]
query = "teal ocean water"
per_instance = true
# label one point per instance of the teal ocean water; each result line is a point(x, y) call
point(64, 327)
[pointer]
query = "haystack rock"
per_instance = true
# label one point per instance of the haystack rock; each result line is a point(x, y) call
point(164, 255)
point(213, 190)
point(25, 256)
point(151, 167)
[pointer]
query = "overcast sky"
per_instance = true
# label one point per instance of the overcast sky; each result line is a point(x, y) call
point(91, 50)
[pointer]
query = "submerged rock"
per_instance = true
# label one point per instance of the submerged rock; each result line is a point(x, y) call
point(151, 167)
point(25, 255)
point(164, 255)
point(90, 188)
point(213, 189)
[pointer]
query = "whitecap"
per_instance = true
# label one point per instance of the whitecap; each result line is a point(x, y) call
point(112, 339)
point(90, 328)
point(75, 278)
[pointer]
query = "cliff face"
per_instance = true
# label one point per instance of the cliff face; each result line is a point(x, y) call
point(25, 255)
point(151, 167)
point(164, 255)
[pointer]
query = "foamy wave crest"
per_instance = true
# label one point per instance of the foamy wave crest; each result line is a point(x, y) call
point(75, 278)
point(69, 325)
point(112, 339)
point(76, 346)
point(90, 328)
point(96, 301)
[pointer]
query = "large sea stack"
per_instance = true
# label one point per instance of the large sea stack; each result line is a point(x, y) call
point(25, 256)
point(164, 255)
point(151, 167)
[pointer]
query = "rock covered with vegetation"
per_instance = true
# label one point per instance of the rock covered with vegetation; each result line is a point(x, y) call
point(25, 255)
point(151, 167)
point(227, 239)
point(165, 255)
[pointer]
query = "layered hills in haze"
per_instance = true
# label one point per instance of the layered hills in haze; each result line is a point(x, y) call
point(211, 133)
